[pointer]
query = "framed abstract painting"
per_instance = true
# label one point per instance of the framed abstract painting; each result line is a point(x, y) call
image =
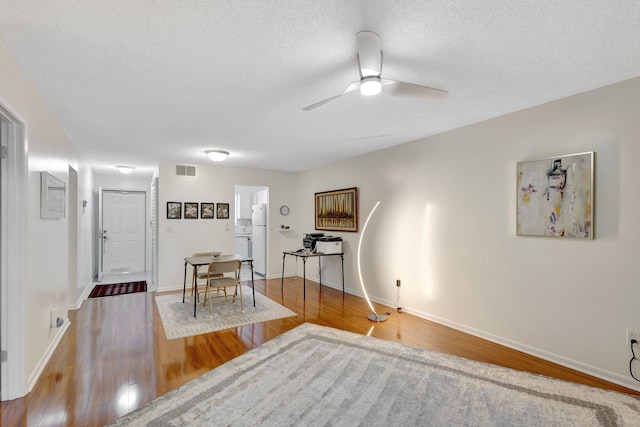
point(555, 197)
point(52, 197)
point(337, 210)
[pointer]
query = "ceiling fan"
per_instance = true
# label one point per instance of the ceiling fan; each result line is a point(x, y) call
point(371, 81)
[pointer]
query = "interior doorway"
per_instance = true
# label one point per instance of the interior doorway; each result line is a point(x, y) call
point(252, 225)
point(13, 230)
point(122, 233)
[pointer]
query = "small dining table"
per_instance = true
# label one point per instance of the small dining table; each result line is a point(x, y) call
point(197, 261)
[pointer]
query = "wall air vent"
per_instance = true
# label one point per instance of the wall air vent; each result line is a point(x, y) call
point(184, 170)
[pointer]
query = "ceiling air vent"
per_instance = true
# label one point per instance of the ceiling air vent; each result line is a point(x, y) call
point(184, 170)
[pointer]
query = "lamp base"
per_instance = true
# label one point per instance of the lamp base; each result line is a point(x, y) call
point(377, 317)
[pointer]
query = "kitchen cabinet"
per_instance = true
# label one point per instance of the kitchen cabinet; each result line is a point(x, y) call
point(246, 200)
point(243, 246)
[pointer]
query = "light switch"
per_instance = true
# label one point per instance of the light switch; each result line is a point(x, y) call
point(169, 230)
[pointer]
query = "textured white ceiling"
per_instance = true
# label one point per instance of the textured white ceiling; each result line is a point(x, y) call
point(143, 81)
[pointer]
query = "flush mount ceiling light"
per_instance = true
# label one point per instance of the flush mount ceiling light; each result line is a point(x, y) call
point(125, 169)
point(217, 155)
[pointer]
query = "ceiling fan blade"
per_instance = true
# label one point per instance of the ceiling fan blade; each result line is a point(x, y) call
point(351, 88)
point(369, 54)
point(410, 90)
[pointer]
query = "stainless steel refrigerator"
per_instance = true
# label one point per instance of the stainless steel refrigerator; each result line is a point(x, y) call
point(259, 238)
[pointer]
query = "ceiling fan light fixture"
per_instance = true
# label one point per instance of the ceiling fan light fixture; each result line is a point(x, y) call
point(370, 86)
point(217, 155)
point(370, 82)
point(125, 169)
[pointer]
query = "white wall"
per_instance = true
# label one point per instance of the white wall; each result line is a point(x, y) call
point(86, 234)
point(216, 184)
point(46, 275)
point(446, 228)
point(78, 291)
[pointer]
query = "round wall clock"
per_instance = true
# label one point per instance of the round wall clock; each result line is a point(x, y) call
point(284, 210)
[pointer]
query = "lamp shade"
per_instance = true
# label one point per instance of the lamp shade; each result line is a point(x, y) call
point(217, 155)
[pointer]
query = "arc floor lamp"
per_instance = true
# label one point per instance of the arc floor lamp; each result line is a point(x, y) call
point(374, 317)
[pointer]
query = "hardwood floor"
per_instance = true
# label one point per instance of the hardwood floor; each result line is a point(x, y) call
point(115, 356)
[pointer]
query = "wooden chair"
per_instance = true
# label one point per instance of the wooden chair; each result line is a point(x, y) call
point(217, 278)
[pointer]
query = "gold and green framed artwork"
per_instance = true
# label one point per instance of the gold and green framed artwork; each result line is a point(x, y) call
point(337, 210)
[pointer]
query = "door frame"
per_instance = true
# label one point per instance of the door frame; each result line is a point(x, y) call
point(72, 258)
point(13, 232)
point(100, 231)
point(99, 236)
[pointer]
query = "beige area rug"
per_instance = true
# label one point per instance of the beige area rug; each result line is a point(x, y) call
point(178, 321)
point(318, 376)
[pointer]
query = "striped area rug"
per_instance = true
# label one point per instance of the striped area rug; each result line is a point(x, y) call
point(178, 321)
point(318, 376)
point(118, 289)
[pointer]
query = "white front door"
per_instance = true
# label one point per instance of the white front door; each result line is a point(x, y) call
point(123, 227)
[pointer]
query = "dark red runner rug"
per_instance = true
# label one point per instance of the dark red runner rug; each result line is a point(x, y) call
point(118, 289)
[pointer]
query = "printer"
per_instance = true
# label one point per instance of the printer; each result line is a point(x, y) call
point(329, 245)
point(309, 241)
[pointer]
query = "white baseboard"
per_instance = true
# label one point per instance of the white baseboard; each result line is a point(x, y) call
point(83, 296)
point(542, 354)
point(171, 288)
point(35, 375)
point(594, 371)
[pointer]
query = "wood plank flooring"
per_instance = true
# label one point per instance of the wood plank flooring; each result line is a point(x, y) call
point(115, 356)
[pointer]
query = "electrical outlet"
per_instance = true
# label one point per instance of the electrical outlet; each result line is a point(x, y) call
point(398, 283)
point(632, 334)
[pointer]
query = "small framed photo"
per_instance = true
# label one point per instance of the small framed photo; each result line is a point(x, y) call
point(174, 210)
point(206, 210)
point(222, 211)
point(190, 210)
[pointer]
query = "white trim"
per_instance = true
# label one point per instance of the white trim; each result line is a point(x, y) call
point(542, 354)
point(171, 288)
point(42, 363)
point(14, 228)
point(154, 225)
point(551, 357)
point(82, 297)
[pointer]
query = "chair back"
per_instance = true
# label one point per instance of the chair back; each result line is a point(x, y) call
point(222, 267)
